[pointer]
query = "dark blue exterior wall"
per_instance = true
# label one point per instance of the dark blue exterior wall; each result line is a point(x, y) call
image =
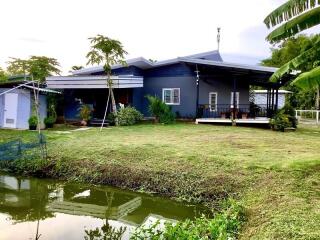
point(178, 75)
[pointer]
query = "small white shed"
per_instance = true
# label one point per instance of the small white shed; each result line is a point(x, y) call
point(260, 97)
point(16, 107)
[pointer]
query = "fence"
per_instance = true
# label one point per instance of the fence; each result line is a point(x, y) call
point(18, 149)
point(308, 116)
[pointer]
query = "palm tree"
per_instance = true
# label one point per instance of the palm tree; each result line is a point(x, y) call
point(109, 52)
point(290, 19)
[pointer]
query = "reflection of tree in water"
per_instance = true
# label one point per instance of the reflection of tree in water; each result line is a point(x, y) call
point(106, 232)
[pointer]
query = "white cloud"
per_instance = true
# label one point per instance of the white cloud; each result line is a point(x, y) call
point(150, 28)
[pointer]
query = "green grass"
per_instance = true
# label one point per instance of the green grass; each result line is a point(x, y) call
point(275, 175)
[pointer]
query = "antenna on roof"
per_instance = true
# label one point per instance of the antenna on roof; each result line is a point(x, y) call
point(218, 37)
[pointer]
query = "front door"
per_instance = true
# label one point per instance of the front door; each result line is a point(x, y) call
point(10, 110)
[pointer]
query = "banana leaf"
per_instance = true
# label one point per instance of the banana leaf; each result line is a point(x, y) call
point(304, 21)
point(289, 10)
point(296, 63)
point(309, 79)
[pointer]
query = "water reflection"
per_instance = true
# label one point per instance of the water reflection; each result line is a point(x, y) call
point(43, 209)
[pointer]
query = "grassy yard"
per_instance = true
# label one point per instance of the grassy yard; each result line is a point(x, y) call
point(275, 175)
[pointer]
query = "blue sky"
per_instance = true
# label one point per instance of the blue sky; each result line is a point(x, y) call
point(150, 28)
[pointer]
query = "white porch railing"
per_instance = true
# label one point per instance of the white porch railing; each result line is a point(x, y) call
point(309, 116)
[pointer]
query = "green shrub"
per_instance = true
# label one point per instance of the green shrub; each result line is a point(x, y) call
point(224, 225)
point(111, 119)
point(280, 122)
point(160, 111)
point(33, 121)
point(49, 121)
point(128, 116)
point(285, 118)
point(85, 112)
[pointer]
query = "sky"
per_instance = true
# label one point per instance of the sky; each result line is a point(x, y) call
point(154, 29)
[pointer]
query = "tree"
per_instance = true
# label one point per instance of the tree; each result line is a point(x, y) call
point(109, 52)
point(38, 68)
point(285, 52)
point(291, 18)
point(3, 75)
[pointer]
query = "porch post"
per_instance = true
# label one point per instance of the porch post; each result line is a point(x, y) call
point(197, 83)
point(234, 100)
point(276, 104)
point(272, 99)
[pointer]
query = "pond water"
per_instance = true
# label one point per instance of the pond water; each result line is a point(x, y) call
point(31, 207)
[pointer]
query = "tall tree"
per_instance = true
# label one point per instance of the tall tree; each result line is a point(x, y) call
point(108, 52)
point(289, 19)
point(38, 68)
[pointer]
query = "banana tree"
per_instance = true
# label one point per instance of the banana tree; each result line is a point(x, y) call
point(289, 19)
point(109, 52)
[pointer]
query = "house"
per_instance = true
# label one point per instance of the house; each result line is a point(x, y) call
point(16, 103)
point(260, 97)
point(200, 86)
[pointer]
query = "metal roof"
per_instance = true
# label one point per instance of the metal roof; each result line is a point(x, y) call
point(229, 65)
point(143, 63)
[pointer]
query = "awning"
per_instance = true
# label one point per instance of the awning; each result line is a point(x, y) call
point(93, 82)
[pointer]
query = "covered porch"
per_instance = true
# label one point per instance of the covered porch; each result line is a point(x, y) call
point(236, 106)
point(92, 90)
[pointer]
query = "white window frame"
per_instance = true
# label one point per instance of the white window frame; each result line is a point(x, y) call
point(172, 90)
point(210, 98)
point(237, 99)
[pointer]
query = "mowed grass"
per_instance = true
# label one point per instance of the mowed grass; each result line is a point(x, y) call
point(275, 175)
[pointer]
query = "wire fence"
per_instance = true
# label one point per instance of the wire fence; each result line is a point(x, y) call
point(17, 149)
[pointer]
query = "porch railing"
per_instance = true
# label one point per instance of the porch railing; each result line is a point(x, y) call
point(242, 111)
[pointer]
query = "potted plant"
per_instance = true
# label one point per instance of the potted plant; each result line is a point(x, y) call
point(49, 121)
point(33, 122)
point(85, 114)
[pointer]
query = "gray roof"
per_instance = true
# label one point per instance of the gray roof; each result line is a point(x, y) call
point(212, 58)
point(146, 64)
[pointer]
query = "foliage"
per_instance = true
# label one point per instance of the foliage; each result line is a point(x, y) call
point(106, 232)
point(109, 52)
point(85, 112)
point(224, 225)
point(51, 105)
point(3, 75)
point(111, 118)
point(39, 67)
point(106, 50)
point(285, 118)
point(128, 116)
point(290, 23)
point(304, 21)
point(33, 121)
point(298, 16)
point(160, 110)
point(49, 121)
point(303, 98)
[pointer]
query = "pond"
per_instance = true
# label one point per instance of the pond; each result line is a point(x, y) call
point(32, 208)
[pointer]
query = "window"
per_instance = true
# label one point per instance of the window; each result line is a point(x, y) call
point(213, 97)
point(237, 100)
point(171, 96)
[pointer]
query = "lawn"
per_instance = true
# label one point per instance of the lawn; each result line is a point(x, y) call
point(275, 175)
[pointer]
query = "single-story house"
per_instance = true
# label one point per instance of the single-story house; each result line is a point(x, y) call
point(260, 97)
point(16, 103)
point(200, 86)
